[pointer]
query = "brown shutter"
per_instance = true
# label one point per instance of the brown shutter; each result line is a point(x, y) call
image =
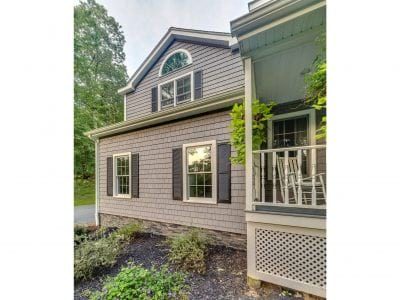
point(177, 178)
point(135, 175)
point(198, 84)
point(109, 176)
point(224, 173)
point(154, 99)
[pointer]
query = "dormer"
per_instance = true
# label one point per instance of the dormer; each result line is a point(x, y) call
point(185, 66)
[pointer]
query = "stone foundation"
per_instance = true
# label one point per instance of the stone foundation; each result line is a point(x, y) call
point(233, 240)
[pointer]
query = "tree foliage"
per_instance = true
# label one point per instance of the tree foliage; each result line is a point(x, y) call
point(261, 114)
point(316, 86)
point(99, 71)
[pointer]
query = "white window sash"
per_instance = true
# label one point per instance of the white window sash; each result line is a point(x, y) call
point(115, 186)
point(186, 198)
point(175, 90)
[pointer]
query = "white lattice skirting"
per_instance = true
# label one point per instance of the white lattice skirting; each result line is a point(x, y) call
point(289, 256)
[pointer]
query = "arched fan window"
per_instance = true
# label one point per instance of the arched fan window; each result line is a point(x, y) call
point(175, 60)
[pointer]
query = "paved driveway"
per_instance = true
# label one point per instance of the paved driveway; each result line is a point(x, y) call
point(84, 214)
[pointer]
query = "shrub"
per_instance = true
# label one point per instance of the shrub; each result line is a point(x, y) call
point(188, 251)
point(127, 232)
point(91, 255)
point(136, 282)
point(100, 249)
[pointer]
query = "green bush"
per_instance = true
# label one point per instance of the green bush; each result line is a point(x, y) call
point(100, 250)
point(127, 232)
point(188, 251)
point(91, 255)
point(136, 282)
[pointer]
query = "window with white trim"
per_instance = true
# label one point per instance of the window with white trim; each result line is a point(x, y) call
point(175, 61)
point(122, 174)
point(176, 91)
point(200, 172)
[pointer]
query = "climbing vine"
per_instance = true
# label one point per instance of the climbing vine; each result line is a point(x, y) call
point(261, 114)
point(316, 87)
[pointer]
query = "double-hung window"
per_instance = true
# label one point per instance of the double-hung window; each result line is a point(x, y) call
point(176, 91)
point(122, 175)
point(200, 172)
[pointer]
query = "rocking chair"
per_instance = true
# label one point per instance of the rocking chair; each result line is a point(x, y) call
point(293, 180)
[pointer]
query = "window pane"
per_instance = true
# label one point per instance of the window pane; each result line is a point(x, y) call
point(200, 191)
point(192, 191)
point(183, 85)
point(174, 62)
point(183, 91)
point(289, 126)
point(192, 179)
point(301, 124)
point(208, 179)
point(207, 166)
point(167, 94)
point(208, 192)
point(196, 156)
point(200, 179)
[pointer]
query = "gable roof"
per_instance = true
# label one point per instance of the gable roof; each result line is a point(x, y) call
point(213, 38)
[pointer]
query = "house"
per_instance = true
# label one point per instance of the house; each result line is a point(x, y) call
point(168, 162)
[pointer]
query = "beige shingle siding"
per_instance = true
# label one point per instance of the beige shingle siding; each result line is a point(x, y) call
point(154, 146)
point(222, 72)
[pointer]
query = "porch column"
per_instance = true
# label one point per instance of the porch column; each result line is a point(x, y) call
point(97, 175)
point(248, 93)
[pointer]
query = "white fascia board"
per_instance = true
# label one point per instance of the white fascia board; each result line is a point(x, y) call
point(217, 38)
point(190, 109)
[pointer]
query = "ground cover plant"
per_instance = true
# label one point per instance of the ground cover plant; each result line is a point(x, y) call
point(188, 251)
point(136, 282)
point(100, 249)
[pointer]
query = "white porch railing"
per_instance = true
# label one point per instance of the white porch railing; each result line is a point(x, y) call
point(293, 176)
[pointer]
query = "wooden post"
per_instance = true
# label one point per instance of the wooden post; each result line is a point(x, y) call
point(313, 172)
point(286, 170)
point(263, 176)
point(299, 190)
point(274, 177)
point(248, 92)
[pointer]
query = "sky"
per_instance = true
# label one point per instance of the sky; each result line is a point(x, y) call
point(144, 22)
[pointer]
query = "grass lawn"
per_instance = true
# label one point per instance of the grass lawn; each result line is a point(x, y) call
point(84, 192)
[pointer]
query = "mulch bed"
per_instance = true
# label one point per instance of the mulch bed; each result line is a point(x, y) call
point(225, 277)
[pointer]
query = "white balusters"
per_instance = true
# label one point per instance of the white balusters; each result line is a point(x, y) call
point(286, 177)
point(263, 176)
point(299, 175)
point(313, 173)
point(279, 175)
point(274, 177)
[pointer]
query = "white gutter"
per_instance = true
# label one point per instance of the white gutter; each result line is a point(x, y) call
point(190, 109)
point(97, 168)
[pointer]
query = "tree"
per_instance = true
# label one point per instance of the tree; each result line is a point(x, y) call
point(99, 71)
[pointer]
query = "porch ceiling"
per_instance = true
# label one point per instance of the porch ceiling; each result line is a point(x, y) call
point(266, 40)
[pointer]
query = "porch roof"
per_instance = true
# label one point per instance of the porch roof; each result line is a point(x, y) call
point(273, 22)
point(187, 110)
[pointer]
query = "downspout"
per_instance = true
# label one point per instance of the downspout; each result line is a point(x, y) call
point(96, 151)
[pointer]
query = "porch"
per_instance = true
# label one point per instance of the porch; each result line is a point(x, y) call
point(286, 186)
